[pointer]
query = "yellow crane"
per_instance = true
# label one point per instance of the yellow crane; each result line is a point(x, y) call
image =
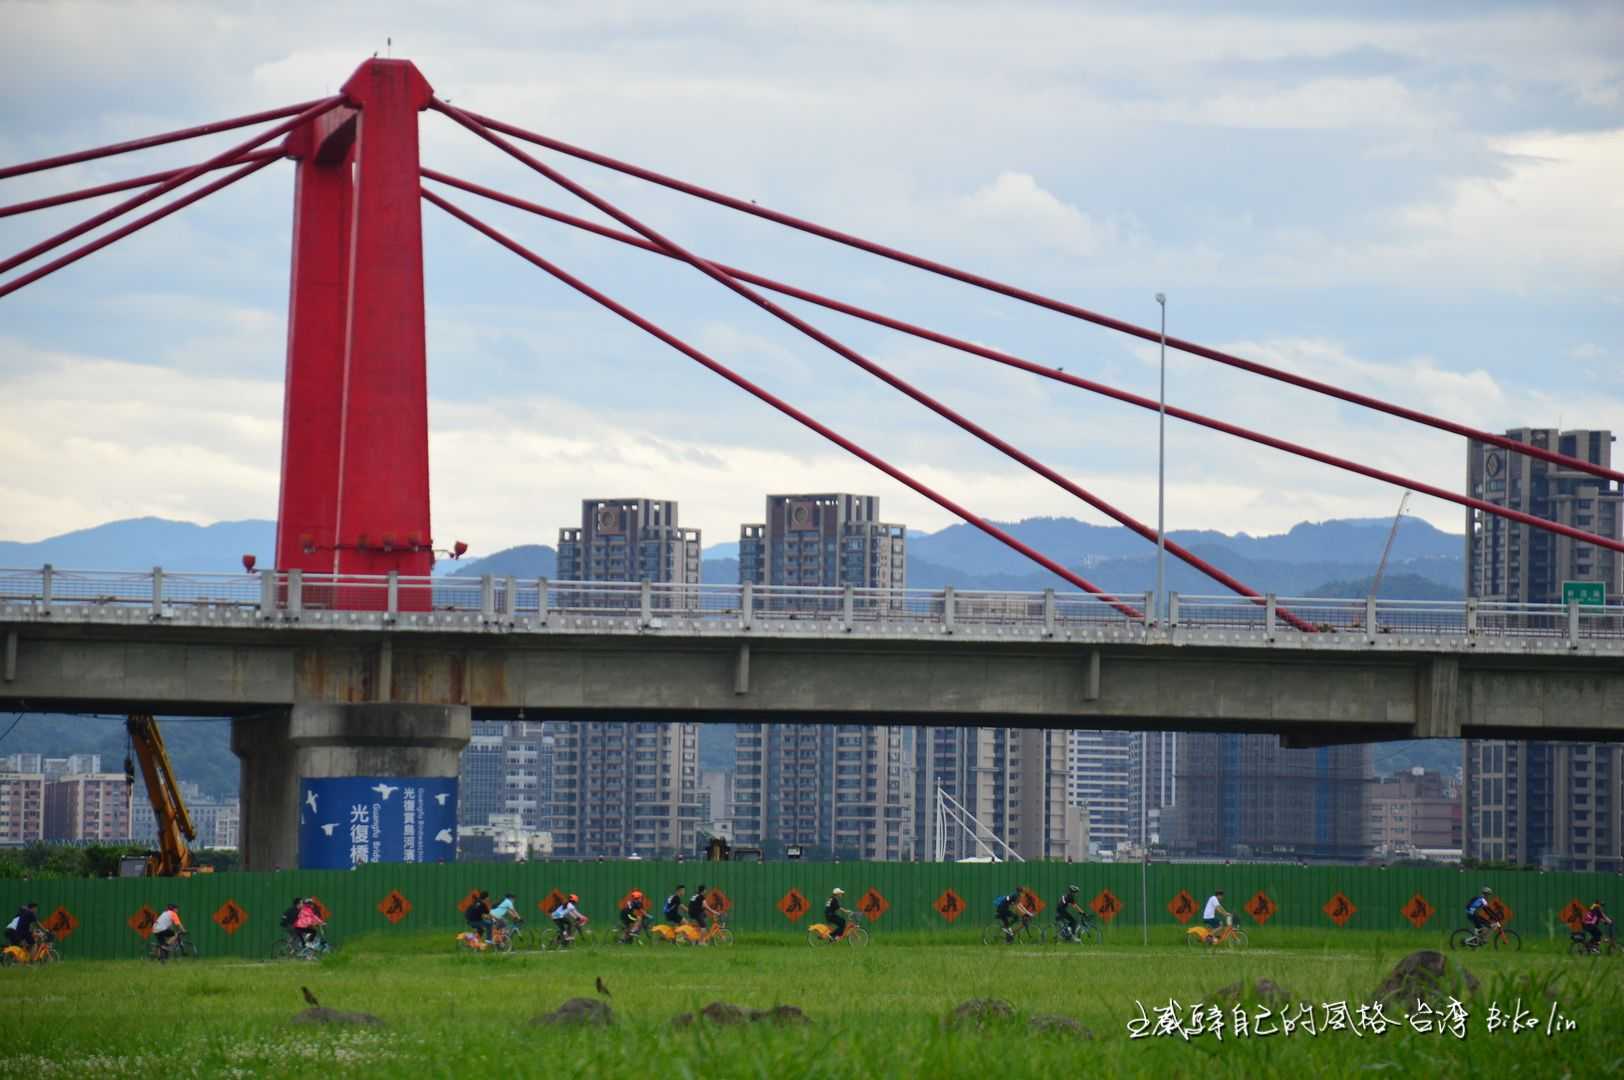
point(173, 858)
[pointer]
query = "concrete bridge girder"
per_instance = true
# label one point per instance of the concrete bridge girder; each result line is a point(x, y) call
point(940, 681)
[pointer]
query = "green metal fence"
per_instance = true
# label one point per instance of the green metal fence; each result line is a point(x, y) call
point(898, 896)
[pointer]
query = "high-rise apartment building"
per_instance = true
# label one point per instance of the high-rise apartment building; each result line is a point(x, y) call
point(621, 789)
point(1099, 781)
point(617, 789)
point(1011, 781)
point(1557, 805)
point(629, 540)
point(1246, 796)
point(88, 806)
point(830, 540)
point(22, 806)
point(506, 769)
point(1506, 560)
point(836, 790)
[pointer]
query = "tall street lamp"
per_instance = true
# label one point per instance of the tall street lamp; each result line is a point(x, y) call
point(1161, 470)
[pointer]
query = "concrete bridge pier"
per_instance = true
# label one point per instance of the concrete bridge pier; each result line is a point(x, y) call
point(280, 747)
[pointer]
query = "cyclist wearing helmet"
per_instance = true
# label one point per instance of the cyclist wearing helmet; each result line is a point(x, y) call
point(1067, 913)
point(836, 915)
point(1478, 911)
point(631, 914)
point(568, 918)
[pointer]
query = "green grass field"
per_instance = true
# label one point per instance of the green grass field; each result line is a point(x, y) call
point(875, 1011)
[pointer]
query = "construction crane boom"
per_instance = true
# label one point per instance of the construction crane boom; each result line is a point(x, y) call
point(173, 857)
point(1392, 534)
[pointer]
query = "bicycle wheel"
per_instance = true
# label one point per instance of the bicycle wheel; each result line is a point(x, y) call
point(283, 950)
point(1237, 940)
point(856, 935)
point(814, 936)
point(1580, 948)
point(1088, 934)
point(723, 936)
point(994, 935)
point(1507, 939)
point(1463, 939)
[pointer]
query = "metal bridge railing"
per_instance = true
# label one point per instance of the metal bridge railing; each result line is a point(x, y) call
point(288, 594)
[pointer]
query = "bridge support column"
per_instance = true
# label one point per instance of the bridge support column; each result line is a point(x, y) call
point(311, 741)
point(1437, 705)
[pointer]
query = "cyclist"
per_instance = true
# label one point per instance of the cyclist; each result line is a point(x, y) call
point(20, 930)
point(673, 907)
point(166, 926)
point(1214, 915)
point(308, 923)
point(1594, 919)
point(478, 915)
point(836, 915)
point(1068, 914)
point(289, 917)
point(1480, 915)
point(631, 914)
point(1011, 909)
point(503, 915)
point(698, 909)
point(567, 917)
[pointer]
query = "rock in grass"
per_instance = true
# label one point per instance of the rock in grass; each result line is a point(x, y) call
point(577, 1012)
point(1426, 975)
point(1058, 1025)
point(726, 1015)
point(1266, 991)
point(979, 1012)
point(320, 1014)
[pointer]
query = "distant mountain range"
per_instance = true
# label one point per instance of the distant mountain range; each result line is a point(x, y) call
point(1309, 559)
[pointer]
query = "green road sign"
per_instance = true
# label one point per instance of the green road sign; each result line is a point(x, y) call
point(1587, 593)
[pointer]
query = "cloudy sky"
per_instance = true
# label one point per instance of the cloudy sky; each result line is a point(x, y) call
point(1419, 201)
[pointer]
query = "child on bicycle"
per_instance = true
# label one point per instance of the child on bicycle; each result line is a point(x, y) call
point(631, 915)
point(568, 918)
point(308, 923)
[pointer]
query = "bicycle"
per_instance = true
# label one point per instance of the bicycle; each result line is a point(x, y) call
point(517, 935)
point(823, 934)
point(1606, 945)
point(1495, 935)
point(1086, 932)
point(1229, 936)
point(294, 946)
point(715, 934)
point(39, 951)
point(561, 938)
point(180, 947)
point(997, 934)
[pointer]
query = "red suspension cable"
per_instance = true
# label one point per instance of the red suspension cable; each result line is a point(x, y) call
point(1145, 531)
point(155, 140)
point(840, 348)
point(1059, 306)
point(781, 405)
point(9, 287)
point(125, 185)
point(179, 178)
point(1038, 369)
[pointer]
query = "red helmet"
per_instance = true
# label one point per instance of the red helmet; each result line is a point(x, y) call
point(573, 898)
point(637, 894)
